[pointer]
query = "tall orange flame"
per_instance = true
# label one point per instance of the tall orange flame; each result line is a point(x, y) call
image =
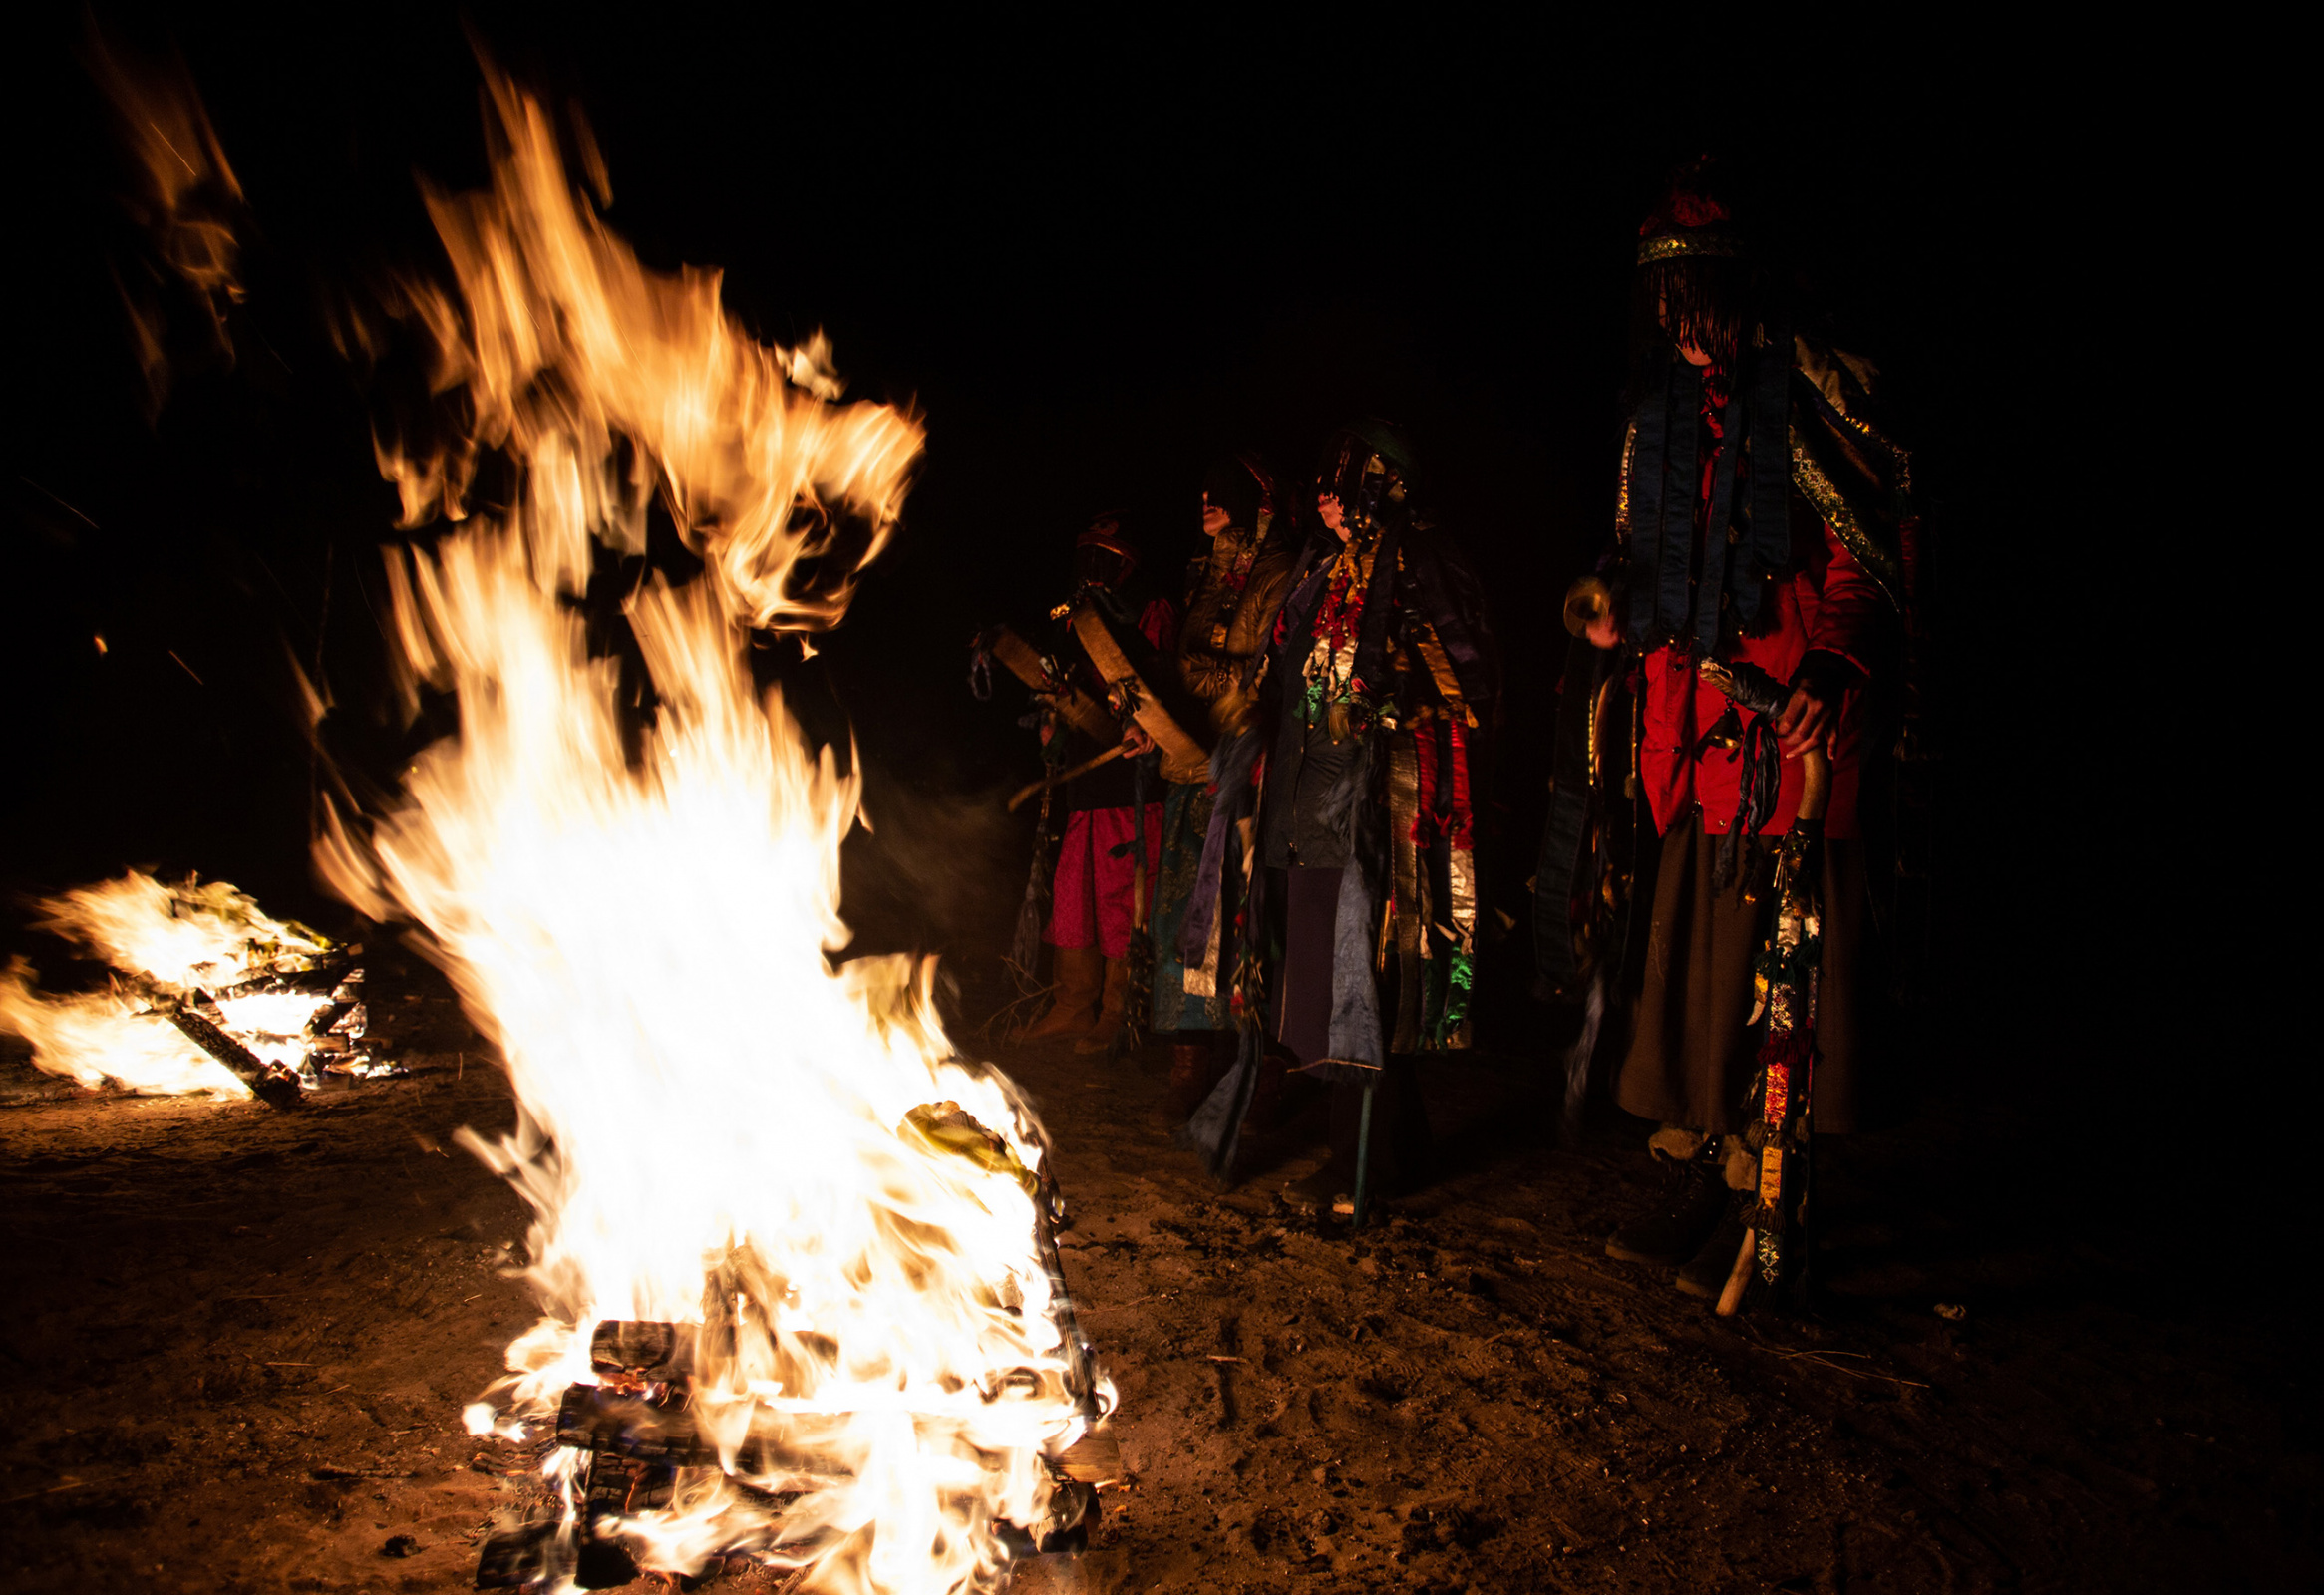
point(563, 343)
point(186, 201)
point(716, 1125)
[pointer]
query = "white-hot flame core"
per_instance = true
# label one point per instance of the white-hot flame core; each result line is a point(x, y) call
point(709, 1112)
point(103, 1038)
point(273, 1013)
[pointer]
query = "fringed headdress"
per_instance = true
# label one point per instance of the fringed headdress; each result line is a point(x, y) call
point(1698, 290)
point(1693, 270)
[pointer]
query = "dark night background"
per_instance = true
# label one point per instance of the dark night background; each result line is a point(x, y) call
point(1093, 261)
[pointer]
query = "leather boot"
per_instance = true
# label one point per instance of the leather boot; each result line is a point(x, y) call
point(1110, 1007)
point(1074, 1006)
point(1706, 1275)
point(1194, 1071)
point(1676, 1228)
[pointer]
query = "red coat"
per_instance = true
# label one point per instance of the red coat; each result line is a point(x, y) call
point(1826, 602)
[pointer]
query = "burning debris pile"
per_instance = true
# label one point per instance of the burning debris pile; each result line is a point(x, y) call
point(795, 1254)
point(209, 994)
point(645, 1427)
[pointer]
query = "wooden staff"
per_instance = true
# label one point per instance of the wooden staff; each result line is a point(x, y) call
point(1815, 794)
point(1063, 775)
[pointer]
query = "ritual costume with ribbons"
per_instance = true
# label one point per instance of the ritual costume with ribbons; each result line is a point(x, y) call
point(1766, 552)
point(1098, 868)
point(1234, 590)
point(1379, 684)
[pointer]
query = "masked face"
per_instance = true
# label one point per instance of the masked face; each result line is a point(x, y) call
point(1359, 491)
point(1681, 334)
point(1696, 300)
point(1334, 517)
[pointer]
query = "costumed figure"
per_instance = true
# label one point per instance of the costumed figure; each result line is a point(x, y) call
point(1765, 553)
point(1112, 832)
point(1380, 681)
point(1234, 590)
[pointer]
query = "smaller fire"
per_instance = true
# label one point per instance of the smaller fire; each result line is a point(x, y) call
point(211, 994)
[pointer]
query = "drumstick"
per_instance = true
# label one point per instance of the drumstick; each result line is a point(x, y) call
point(1063, 775)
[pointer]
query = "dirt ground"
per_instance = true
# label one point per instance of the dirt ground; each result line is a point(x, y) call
point(238, 1342)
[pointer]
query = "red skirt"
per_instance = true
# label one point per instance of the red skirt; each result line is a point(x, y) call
point(1092, 905)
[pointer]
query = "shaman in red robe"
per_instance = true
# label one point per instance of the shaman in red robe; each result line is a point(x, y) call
point(1825, 602)
point(1764, 521)
point(1712, 774)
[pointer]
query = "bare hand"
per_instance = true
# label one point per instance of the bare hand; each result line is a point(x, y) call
point(1135, 741)
point(1592, 613)
point(1807, 721)
point(1812, 717)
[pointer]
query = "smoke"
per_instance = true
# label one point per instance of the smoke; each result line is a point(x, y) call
point(935, 871)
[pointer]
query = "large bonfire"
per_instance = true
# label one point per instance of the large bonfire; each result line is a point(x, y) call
point(833, 1231)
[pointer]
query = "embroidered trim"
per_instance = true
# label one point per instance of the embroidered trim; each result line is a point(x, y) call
point(1821, 493)
point(1671, 245)
point(1622, 496)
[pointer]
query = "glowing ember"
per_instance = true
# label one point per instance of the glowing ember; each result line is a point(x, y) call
point(800, 1294)
point(201, 961)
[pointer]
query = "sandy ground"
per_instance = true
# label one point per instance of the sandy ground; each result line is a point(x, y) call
point(238, 1341)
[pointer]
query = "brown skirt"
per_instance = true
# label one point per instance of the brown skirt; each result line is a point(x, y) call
point(1689, 1060)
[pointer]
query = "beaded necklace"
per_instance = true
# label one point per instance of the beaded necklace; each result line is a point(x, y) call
point(1330, 671)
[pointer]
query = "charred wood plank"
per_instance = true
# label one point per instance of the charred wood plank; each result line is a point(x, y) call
point(595, 1418)
point(632, 1349)
point(618, 1488)
point(604, 1420)
point(269, 1083)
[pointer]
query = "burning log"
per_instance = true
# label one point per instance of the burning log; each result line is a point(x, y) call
point(661, 1429)
point(619, 1488)
point(636, 1430)
point(269, 1002)
point(269, 1082)
point(596, 1419)
point(624, 1352)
